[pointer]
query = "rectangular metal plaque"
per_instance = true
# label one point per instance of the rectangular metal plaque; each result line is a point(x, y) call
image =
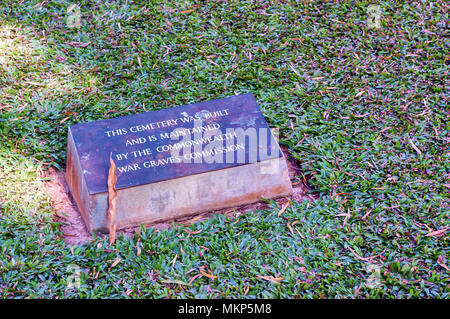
point(160, 145)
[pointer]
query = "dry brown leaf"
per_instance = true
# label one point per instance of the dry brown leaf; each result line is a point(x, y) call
point(79, 44)
point(366, 214)
point(440, 261)
point(293, 69)
point(187, 11)
point(63, 120)
point(207, 275)
point(296, 183)
point(415, 147)
point(112, 197)
point(193, 232)
point(365, 258)
point(139, 62)
point(247, 290)
point(83, 45)
point(290, 229)
point(271, 279)
point(292, 125)
point(236, 221)
point(174, 260)
point(115, 262)
point(193, 278)
point(192, 220)
point(298, 232)
point(437, 232)
point(283, 208)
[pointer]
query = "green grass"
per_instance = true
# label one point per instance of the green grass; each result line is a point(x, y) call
point(363, 109)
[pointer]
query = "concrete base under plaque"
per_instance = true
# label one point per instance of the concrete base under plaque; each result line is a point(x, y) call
point(179, 197)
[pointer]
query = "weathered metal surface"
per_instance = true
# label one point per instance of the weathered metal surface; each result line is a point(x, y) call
point(94, 142)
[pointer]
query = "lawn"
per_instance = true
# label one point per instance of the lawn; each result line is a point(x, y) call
point(363, 108)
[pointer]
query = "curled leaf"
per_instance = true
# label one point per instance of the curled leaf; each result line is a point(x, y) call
point(207, 275)
point(437, 232)
point(271, 279)
point(112, 197)
point(415, 147)
point(116, 261)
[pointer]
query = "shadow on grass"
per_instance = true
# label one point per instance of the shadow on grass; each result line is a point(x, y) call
point(41, 94)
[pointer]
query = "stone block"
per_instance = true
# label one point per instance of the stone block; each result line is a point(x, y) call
point(176, 162)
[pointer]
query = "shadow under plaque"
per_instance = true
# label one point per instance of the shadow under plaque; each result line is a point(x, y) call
point(175, 162)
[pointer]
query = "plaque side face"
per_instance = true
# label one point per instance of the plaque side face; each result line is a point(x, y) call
point(160, 145)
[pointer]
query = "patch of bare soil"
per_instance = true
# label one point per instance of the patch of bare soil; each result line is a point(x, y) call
point(76, 233)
